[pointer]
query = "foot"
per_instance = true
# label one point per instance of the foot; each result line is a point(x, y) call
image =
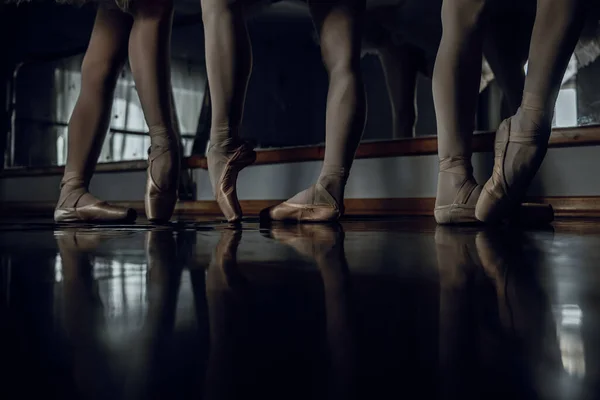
point(224, 165)
point(315, 204)
point(457, 192)
point(162, 182)
point(76, 204)
point(518, 156)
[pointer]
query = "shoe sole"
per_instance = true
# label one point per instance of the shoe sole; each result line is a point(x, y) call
point(454, 214)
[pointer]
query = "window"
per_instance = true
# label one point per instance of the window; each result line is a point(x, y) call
point(46, 96)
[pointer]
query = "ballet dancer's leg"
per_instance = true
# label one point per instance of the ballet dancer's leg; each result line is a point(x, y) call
point(456, 80)
point(228, 65)
point(339, 26)
point(104, 58)
point(522, 140)
point(149, 55)
point(400, 68)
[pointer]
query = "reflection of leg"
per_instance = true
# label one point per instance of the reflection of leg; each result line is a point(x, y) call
point(228, 65)
point(339, 311)
point(325, 245)
point(456, 79)
point(522, 140)
point(149, 55)
point(523, 304)
point(399, 66)
point(90, 120)
point(457, 257)
point(228, 317)
point(84, 315)
point(164, 277)
point(339, 25)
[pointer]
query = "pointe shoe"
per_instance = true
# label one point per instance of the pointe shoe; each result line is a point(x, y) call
point(162, 181)
point(323, 208)
point(462, 208)
point(98, 212)
point(224, 188)
point(510, 179)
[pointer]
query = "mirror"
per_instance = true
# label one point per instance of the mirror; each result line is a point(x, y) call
point(287, 91)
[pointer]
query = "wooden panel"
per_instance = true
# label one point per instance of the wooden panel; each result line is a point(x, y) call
point(588, 207)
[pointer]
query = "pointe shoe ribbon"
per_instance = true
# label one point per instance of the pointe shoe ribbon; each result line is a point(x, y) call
point(462, 208)
point(224, 187)
point(162, 181)
point(499, 196)
point(98, 212)
point(323, 208)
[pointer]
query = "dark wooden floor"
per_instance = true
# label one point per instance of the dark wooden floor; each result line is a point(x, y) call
point(369, 309)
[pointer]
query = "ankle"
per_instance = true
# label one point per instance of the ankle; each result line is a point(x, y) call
point(457, 165)
point(534, 115)
point(335, 184)
point(223, 135)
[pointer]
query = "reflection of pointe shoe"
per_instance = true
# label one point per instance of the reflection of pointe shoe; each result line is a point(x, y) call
point(458, 172)
point(99, 211)
point(75, 241)
point(322, 208)
point(456, 253)
point(163, 176)
point(225, 166)
point(225, 257)
point(312, 240)
point(493, 251)
point(161, 249)
point(511, 176)
point(85, 240)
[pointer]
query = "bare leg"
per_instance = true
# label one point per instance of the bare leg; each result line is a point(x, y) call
point(228, 65)
point(456, 79)
point(149, 55)
point(339, 25)
point(522, 140)
point(104, 59)
point(400, 68)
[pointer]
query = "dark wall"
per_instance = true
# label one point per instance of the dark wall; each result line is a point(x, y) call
point(285, 104)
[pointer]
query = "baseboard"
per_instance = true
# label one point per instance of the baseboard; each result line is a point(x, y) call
point(565, 207)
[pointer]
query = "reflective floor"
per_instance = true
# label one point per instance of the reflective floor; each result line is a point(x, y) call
point(373, 309)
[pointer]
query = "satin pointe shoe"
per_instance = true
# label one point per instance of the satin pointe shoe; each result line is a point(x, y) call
point(456, 173)
point(94, 210)
point(322, 208)
point(224, 166)
point(162, 181)
point(518, 156)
